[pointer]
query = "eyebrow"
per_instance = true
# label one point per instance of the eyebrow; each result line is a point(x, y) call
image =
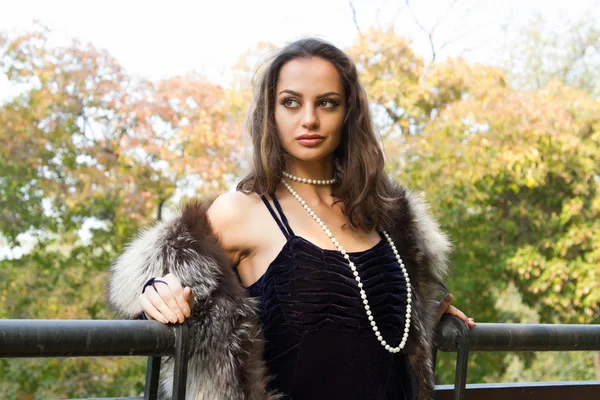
point(318, 97)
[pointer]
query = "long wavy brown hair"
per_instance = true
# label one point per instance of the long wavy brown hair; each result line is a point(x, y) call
point(358, 162)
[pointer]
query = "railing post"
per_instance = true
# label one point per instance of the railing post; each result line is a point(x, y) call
point(434, 353)
point(152, 374)
point(462, 358)
point(453, 335)
point(180, 361)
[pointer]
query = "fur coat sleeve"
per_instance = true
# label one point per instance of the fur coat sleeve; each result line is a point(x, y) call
point(225, 340)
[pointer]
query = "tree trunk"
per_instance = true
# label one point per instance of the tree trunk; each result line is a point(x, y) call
point(596, 356)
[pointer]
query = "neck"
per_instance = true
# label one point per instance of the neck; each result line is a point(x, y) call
point(319, 170)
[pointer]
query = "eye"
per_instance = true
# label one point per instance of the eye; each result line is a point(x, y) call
point(329, 103)
point(289, 102)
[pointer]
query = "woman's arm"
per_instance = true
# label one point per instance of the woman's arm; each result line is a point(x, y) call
point(168, 251)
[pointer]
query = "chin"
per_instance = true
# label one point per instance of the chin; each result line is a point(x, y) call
point(310, 154)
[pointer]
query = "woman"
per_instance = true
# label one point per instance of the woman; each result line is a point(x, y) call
point(340, 263)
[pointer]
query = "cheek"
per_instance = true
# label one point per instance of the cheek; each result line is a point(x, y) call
point(283, 123)
point(337, 126)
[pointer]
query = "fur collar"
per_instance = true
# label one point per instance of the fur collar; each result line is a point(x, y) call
point(226, 343)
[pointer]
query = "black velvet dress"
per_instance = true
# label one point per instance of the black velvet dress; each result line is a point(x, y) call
point(319, 343)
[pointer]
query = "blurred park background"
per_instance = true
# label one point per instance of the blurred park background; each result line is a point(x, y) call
point(113, 113)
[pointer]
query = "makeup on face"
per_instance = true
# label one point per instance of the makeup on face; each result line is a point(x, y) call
point(309, 108)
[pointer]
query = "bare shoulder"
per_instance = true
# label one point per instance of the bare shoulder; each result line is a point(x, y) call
point(230, 217)
point(231, 207)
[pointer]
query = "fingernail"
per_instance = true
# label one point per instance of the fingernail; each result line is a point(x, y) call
point(186, 312)
point(448, 296)
point(180, 317)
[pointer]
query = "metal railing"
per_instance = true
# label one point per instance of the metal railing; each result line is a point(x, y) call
point(85, 338)
point(96, 338)
point(453, 336)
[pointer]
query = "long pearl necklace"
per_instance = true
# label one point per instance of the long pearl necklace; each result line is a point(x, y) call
point(363, 294)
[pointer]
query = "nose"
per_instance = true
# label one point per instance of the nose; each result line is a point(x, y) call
point(309, 118)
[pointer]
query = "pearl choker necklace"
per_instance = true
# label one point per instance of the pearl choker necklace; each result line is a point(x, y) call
point(363, 294)
point(310, 181)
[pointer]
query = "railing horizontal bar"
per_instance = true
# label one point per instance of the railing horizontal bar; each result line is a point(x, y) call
point(113, 398)
point(525, 390)
point(84, 338)
point(520, 385)
point(522, 337)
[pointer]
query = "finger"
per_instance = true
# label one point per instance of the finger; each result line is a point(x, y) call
point(178, 293)
point(171, 296)
point(188, 295)
point(444, 305)
point(151, 311)
point(159, 303)
point(456, 312)
point(176, 301)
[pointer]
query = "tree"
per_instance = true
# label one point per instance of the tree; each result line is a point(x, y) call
point(544, 53)
point(88, 155)
point(510, 172)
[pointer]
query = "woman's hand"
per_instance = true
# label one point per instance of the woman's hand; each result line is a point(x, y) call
point(167, 301)
point(445, 307)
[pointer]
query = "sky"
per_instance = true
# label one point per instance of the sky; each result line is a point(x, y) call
point(157, 39)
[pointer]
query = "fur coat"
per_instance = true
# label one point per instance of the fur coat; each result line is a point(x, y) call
point(225, 339)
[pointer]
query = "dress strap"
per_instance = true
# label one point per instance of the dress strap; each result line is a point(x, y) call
point(283, 217)
point(275, 217)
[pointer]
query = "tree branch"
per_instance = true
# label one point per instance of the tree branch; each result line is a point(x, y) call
point(354, 18)
point(430, 32)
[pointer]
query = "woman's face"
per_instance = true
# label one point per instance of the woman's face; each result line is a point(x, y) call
point(310, 100)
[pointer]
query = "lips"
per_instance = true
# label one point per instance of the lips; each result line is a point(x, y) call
point(310, 140)
point(309, 137)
